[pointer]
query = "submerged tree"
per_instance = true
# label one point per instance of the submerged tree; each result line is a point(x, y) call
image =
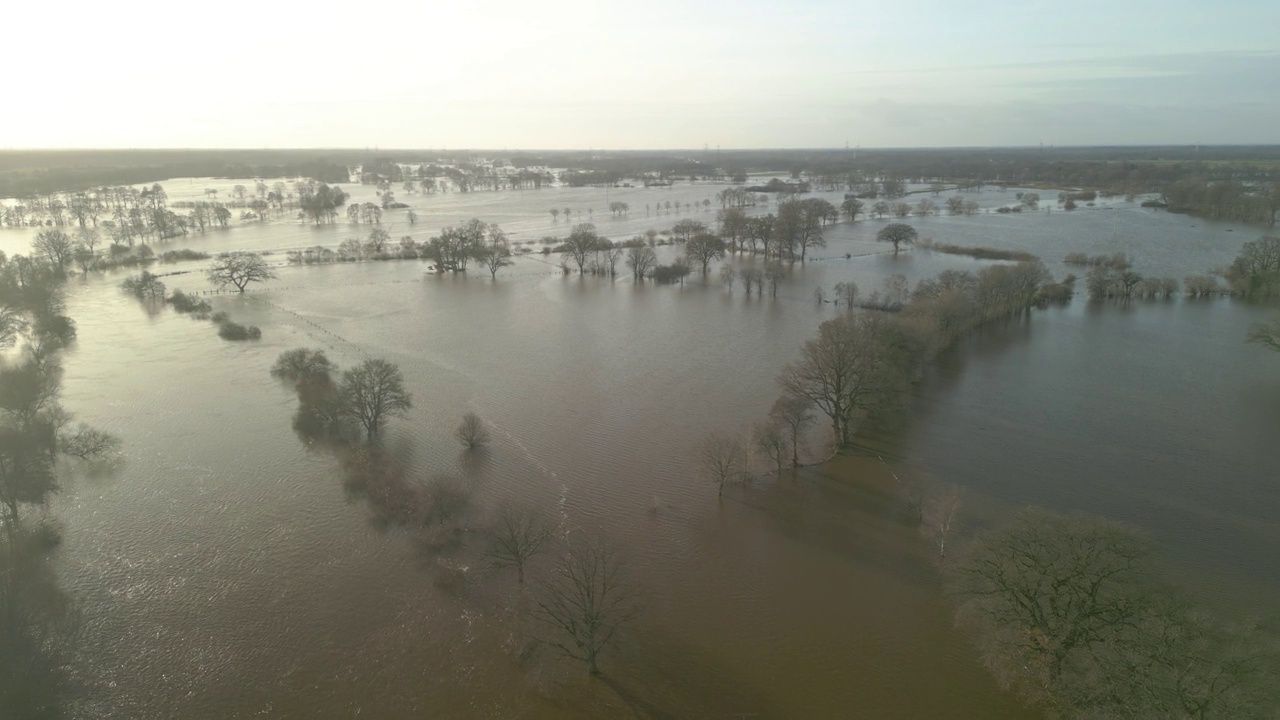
point(302, 365)
point(641, 260)
point(771, 441)
point(847, 370)
point(795, 413)
point(703, 248)
point(586, 602)
point(1267, 336)
point(722, 458)
point(371, 393)
point(582, 242)
point(145, 286)
point(518, 535)
point(88, 443)
point(898, 234)
point(56, 247)
point(495, 251)
point(471, 432)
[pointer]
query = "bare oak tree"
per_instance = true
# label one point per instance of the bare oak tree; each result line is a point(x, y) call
point(1046, 592)
point(1066, 611)
point(239, 269)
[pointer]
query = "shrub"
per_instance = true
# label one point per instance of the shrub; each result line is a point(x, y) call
point(1055, 292)
point(472, 432)
point(59, 326)
point(185, 303)
point(228, 330)
point(1117, 261)
point(145, 286)
point(981, 253)
point(1202, 286)
point(179, 255)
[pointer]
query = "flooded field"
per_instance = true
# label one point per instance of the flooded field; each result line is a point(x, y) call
point(225, 571)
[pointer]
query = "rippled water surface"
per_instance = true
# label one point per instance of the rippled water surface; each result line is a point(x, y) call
point(225, 572)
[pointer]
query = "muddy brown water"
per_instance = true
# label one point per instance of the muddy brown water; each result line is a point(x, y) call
point(225, 571)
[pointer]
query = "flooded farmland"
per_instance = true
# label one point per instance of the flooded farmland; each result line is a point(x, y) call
point(226, 571)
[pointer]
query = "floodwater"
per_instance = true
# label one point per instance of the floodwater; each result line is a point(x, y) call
point(225, 571)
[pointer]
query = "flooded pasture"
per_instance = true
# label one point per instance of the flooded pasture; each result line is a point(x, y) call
point(225, 571)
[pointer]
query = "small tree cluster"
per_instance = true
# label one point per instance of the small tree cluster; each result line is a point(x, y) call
point(367, 395)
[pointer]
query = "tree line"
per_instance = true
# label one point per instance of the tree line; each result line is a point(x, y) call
point(37, 617)
point(580, 602)
point(1253, 274)
point(1066, 610)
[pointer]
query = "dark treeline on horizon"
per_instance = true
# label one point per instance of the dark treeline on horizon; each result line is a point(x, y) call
point(1238, 183)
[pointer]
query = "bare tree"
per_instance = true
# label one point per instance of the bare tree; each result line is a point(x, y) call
point(703, 248)
point(795, 413)
point(1046, 592)
point(848, 369)
point(145, 286)
point(846, 294)
point(495, 253)
point(472, 432)
point(56, 246)
point(86, 258)
point(727, 276)
point(938, 516)
point(582, 241)
point(372, 392)
point(12, 322)
point(641, 260)
point(239, 269)
point(518, 535)
point(852, 207)
point(772, 442)
point(87, 443)
point(1267, 336)
point(586, 601)
point(1066, 611)
point(722, 458)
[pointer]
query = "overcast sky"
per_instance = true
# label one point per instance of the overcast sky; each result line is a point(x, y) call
point(661, 74)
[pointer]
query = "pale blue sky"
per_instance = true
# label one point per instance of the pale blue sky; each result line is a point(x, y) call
point(668, 73)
